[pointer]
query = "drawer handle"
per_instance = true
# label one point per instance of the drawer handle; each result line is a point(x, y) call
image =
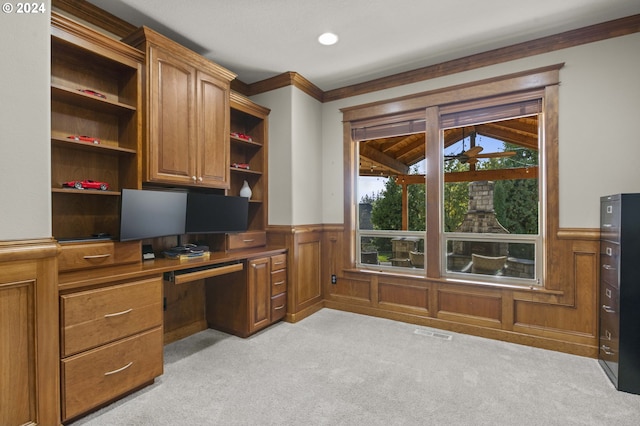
point(608, 309)
point(108, 373)
point(607, 225)
point(248, 241)
point(606, 349)
point(97, 256)
point(608, 267)
point(277, 308)
point(279, 283)
point(118, 313)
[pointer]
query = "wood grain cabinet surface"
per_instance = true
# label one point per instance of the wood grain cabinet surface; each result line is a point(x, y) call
point(187, 114)
point(111, 342)
point(247, 301)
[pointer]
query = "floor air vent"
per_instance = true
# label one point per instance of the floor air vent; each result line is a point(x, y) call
point(429, 333)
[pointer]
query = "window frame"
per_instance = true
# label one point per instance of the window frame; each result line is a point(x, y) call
point(431, 104)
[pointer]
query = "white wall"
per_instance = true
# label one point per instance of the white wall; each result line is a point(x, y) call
point(25, 144)
point(306, 147)
point(599, 144)
point(295, 156)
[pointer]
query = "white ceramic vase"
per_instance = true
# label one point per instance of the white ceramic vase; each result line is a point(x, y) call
point(245, 191)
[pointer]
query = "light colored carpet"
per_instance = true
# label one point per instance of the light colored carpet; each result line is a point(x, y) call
point(339, 368)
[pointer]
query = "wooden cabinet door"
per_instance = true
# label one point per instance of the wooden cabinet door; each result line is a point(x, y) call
point(259, 300)
point(212, 107)
point(29, 378)
point(171, 151)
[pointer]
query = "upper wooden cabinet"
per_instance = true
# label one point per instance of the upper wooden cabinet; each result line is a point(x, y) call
point(187, 114)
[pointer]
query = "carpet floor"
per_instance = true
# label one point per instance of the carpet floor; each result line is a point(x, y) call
point(340, 368)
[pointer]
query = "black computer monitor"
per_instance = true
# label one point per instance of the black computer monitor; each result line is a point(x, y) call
point(151, 214)
point(213, 213)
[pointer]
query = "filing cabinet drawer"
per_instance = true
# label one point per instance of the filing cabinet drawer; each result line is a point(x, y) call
point(278, 307)
point(609, 300)
point(609, 350)
point(94, 317)
point(609, 263)
point(100, 375)
point(610, 218)
point(278, 282)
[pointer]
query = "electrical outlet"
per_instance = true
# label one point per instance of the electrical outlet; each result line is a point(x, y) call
point(334, 279)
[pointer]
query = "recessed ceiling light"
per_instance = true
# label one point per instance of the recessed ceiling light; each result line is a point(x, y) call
point(328, 39)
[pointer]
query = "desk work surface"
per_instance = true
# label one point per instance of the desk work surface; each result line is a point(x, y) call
point(93, 277)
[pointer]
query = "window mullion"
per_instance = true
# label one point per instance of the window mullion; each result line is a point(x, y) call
point(433, 191)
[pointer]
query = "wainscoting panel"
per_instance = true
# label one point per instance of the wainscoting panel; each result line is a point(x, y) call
point(471, 308)
point(560, 316)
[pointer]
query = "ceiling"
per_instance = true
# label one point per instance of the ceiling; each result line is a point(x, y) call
point(259, 39)
point(393, 156)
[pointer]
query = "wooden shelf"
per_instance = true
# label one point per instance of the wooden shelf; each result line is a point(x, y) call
point(252, 143)
point(101, 147)
point(84, 191)
point(246, 171)
point(79, 98)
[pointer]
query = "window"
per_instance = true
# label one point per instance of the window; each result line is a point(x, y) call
point(491, 199)
point(472, 205)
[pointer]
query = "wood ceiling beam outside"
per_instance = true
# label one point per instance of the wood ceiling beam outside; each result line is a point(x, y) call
point(387, 162)
point(505, 134)
point(477, 175)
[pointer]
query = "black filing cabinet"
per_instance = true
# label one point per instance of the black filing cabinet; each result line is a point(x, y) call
point(619, 353)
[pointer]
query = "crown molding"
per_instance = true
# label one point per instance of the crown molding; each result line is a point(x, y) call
point(289, 78)
point(610, 29)
point(95, 16)
point(585, 35)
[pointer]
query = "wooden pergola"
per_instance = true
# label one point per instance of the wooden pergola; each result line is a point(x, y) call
point(394, 156)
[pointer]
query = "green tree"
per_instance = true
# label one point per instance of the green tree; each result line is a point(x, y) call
point(387, 207)
point(516, 201)
point(456, 197)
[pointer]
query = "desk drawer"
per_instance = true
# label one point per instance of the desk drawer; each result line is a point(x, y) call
point(278, 262)
point(98, 376)
point(97, 254)
point(278, 307)
point(85, 255)
point(94, 317)
point(246, 240)
point(278, 282)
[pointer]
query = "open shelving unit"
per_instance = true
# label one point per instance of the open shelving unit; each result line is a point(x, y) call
point(83, 59)
point(250, 120)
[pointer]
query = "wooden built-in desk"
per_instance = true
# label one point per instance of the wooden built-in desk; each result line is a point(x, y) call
point(116, 319)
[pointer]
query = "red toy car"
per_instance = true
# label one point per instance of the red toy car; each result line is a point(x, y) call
point(86, 184)
point(241, 166)
point(84, 138)
point(93, 92)
point(241, 136)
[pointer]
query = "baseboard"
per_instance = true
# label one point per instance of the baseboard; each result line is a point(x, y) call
point(184, 331)
point(297, 316)
point(541, 342)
